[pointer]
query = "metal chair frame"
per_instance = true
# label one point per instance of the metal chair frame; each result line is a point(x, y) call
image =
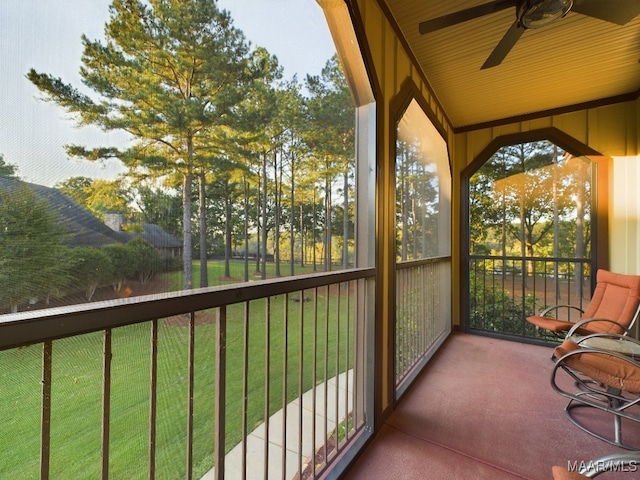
point(589, 393)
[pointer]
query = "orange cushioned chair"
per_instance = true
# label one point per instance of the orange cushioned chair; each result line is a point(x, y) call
point(605, 381)
point(613, 308)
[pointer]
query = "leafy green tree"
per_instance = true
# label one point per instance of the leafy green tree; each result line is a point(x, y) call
point(495, 310)
point(159, 207)
point(167, 73)
point(122, 263)
point(31, 241)
point(486, 211)
point(527, 194)
point(108, 196)
point(260, 131)
point(7, 169)
point(145, 259)
point(217, 163)
point(226, 190)
point(77, 189)
point(92, 268)
point(522, 192)
point(64, 282)
point(294, 157)
point(417, 201)
point(528, 200)
point(97, 195)
point(331, 136)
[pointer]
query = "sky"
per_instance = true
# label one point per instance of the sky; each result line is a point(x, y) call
point(45, 35)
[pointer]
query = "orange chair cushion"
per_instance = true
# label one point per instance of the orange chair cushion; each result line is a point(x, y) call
point(615, 297)
point(550, 324)
point(603, 368)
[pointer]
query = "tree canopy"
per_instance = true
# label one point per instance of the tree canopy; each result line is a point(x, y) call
point(30, 247)
point(212, 122)
point(7, 169)
point(168, 73)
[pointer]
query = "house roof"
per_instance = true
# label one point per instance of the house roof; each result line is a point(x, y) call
point(85, 229)
point(157, 237)
point(574, 61)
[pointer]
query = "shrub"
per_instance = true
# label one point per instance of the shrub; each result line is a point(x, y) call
point(91, 268)
point(145, 258)
point(123, 263)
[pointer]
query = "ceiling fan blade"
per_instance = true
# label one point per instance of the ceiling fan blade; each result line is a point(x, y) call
point(620, 12)
point(504, 46)
point(464, 15)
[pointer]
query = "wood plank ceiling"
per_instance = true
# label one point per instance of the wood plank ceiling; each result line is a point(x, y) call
point(578, 59)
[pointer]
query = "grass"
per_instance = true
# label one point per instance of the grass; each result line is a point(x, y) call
point(216, 276)
point(77, 390)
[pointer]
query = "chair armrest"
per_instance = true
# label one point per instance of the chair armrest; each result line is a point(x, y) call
point(544, 312)
point(584, 321)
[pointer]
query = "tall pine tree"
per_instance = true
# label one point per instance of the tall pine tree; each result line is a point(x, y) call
point(168, 72)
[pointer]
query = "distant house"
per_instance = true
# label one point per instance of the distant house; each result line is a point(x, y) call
point(85, 230)
point(167, 244)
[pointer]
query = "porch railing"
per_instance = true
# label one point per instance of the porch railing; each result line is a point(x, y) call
point(257, 380)
point(423, 315)
point(503, 291)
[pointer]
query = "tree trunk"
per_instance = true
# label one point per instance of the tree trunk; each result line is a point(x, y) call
point(258, 222)
point(403, 209)
point(414, 220)
point(293, 220)
point(246, 229)
point(302, 234)
point(277, 182)
point(424, 186)
point(328, 225)
point(264, 216)
point(227, 230)
point(186, 228)
point(313, 231)
point(345, 222)
point(202, 198)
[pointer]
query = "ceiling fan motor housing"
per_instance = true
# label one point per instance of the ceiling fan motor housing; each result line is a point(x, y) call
point(539, 13)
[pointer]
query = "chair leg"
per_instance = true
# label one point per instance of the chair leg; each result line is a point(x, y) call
point(617, 422)
point(613, 405)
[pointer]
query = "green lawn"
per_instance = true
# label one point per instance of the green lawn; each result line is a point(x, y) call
point(216, 273)
point(77, 387)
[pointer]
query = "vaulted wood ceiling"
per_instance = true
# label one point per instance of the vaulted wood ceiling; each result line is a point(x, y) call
point(578, 59)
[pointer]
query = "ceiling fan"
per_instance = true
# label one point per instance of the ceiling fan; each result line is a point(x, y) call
point(535, 14)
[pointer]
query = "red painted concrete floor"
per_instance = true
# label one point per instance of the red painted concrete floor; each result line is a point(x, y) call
point(482, 409)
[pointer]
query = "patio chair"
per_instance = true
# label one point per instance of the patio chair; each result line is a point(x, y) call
point(600, 383)
point(613, 308)
point(616, 462)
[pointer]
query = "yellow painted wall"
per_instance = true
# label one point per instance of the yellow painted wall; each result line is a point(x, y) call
point(625, 201)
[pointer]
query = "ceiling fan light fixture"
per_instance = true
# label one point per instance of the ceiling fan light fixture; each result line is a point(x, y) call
point(539, 13)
